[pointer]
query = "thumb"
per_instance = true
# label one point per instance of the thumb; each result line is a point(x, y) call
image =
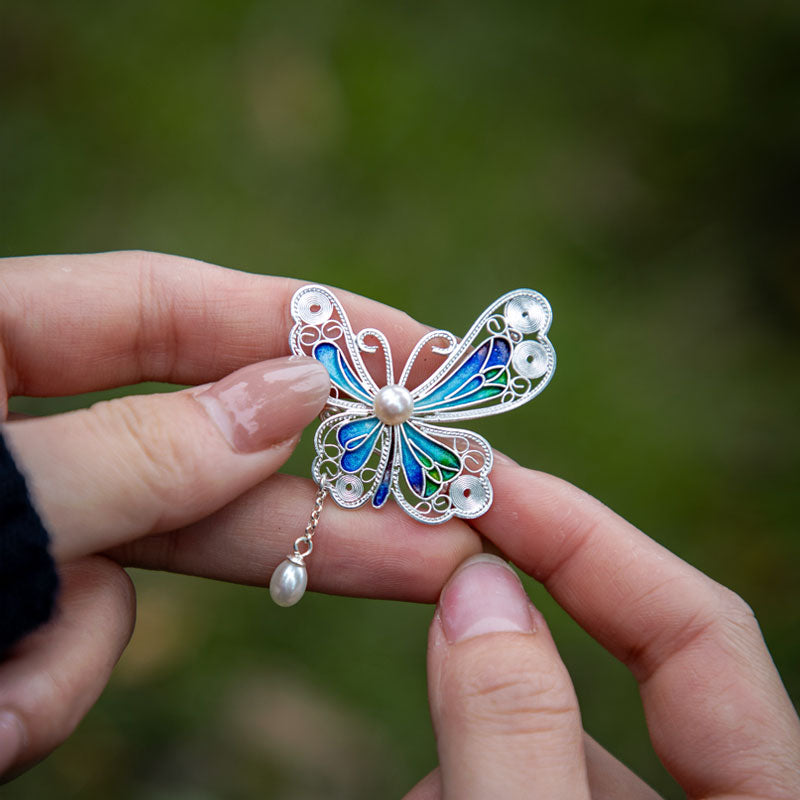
point(503, 706)
point(141, 464)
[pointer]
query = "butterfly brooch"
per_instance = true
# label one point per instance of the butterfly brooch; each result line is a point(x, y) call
point(384, 438)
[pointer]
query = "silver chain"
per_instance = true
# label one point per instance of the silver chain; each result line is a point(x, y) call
point(313, 521)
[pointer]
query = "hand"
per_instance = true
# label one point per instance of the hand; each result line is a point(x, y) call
point(504, 710)
point(192, 323)
point(122, 472)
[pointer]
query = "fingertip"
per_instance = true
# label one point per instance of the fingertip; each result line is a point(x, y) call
point(12, 740)
point(499, 691)
point(429, 788)
point(264, 404)
point(101, 582)
point(484, 595)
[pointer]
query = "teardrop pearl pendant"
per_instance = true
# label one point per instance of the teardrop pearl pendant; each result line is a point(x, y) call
point(288, 583)
point(290, 578)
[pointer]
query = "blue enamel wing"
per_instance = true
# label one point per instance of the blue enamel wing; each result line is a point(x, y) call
point(378, 439)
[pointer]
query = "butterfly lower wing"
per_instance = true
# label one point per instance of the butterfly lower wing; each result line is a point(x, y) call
point(352, 455)
point(426, 462)
point(510, 366)
point(323, 331)
point(384, 487)
point(441, 472)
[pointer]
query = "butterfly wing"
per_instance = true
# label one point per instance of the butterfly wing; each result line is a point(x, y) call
point(440, 473)
point(511, 363)
point(323, 331)
point(353, 453)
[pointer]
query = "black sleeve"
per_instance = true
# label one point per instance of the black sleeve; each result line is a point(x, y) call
point(28, 578)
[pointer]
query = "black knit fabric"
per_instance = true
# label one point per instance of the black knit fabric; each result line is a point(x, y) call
point(28, 578)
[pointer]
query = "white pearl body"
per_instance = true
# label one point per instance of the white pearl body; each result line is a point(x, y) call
point(393, 405)
point(288, 583)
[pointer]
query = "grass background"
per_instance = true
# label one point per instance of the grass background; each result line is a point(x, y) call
point(637, 163)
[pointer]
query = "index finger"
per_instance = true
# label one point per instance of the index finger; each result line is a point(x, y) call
point(80, 323)
point(716, 709)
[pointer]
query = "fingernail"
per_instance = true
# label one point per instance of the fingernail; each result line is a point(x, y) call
point(484, 595)
point(12, 739)
point(263, 404)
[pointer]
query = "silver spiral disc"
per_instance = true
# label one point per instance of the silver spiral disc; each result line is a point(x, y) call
point(314, 307)
point(525, 314)
point(468, 494)
point(349, 488)
point(530, 359)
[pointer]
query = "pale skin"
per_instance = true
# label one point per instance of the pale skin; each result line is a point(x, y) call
point(184, 482)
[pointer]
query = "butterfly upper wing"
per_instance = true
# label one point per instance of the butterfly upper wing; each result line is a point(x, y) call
point(342, 376)
point(482, 376)
point(323, 331)
point(511, 364)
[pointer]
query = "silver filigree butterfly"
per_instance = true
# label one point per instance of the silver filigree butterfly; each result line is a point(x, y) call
point(382, 439)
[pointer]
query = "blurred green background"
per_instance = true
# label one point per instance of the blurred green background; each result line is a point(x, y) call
point(638, 163)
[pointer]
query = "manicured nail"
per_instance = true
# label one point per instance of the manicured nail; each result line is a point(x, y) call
point(264, 404)
point(484, 595)
point(12, 739)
